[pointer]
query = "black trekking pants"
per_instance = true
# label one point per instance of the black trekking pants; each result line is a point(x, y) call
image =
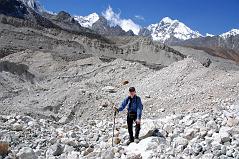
point(131, 118)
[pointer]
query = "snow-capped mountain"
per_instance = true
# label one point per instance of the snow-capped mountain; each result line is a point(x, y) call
point(171, 29)
point(35, 5)
point(230, 33)
point(87, 21)
point(209, 35)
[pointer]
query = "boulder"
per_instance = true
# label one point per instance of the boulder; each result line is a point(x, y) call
point(168, 128)
point(197, 148)
point(180, 141)
point(125, 82)
point(109, 89)
point(189, 133)
point(155, 132)
point(64, 120)
point(55, 150)
point(88, 151)
point(225, 137)
point(117, 140)
point(108, 154)
point(212, 125)
point(17, 127)
point(232, 121)
point(26, 153)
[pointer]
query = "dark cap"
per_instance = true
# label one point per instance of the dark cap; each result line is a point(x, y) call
point(132, 89)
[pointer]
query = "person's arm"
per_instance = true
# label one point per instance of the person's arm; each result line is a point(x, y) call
point(123, 104)
point(139, 108)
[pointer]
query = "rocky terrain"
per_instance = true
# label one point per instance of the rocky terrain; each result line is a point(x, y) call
point(59, 82)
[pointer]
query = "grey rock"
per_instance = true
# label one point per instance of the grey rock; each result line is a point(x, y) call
point(197, 148)
point(88, 151)
point(55, 150)
point(26, 153)
point(17, 127)
point(108, 154)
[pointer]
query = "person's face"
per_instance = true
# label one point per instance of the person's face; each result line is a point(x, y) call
point(132, 93)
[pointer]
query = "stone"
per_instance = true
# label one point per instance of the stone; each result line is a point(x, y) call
point(197, 148)
point(17, 127)
point(108, 154)
point(88, 151)
point(125, 82)
point(72, 135)
point(207, 156)
point(117, 140)
point(154, 132)
point(105, 103)
point(64, 120)
point(181, 141)
point(84, 144)
point(189, 134)
point(229, 153)
point(55, 150)
point(168, 128)
point(212, 125)
point(224, 134)
point(216, 138)
point(134, 156)
point(109, 89)
point(232, 121)
point(69, 141)
point(26, 153)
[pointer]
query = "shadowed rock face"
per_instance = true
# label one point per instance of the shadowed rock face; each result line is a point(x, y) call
point(17, 9)
point(13, 8)
point(17, 69)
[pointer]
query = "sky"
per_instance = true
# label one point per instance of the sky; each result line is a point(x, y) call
point(206, 16)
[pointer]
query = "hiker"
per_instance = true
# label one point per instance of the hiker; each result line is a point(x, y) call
point(134, 107)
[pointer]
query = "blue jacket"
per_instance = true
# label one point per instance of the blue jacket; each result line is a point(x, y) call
point(136, 107)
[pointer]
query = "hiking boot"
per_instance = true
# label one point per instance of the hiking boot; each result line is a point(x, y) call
point(136, 140)
point(129, 141)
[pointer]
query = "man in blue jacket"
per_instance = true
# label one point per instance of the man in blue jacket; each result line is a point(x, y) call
point(134, 107)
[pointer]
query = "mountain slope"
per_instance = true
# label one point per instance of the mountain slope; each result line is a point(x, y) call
point(168, 31)
point(225, 45)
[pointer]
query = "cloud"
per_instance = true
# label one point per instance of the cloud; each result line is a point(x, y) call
point(115, 19)
point(139, 17)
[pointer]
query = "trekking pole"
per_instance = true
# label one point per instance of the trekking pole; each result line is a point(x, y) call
point(113, 130)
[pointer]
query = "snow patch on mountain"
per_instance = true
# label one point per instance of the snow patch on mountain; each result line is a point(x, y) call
point(87, 21)
point(230, 33)
point(115, 19)
point(168, 28)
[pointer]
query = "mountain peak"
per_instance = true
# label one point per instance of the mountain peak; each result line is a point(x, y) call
point(87, 21)
point(232, 32)
point(167, 20)
point(168, 29)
